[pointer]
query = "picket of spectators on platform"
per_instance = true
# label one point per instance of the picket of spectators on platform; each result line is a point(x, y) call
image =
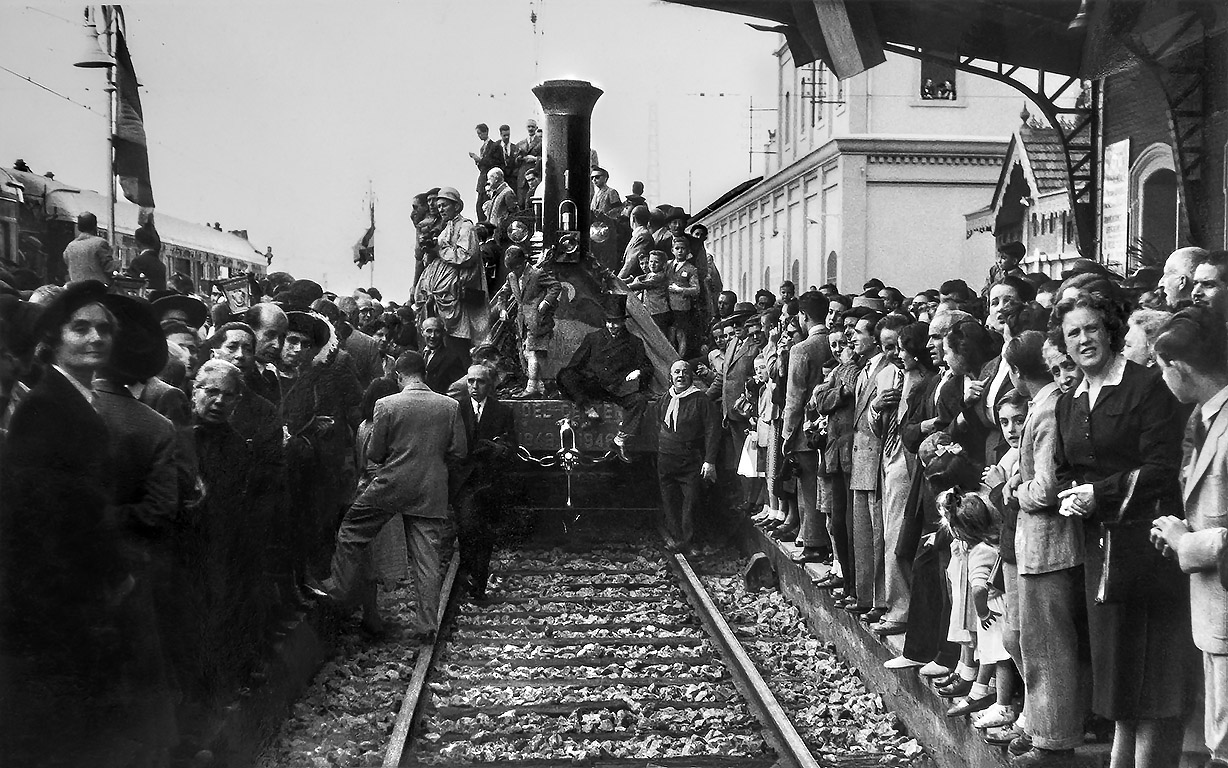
point(950, 462)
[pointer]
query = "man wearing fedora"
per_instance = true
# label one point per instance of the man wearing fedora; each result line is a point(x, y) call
point(89, 257)
point(610, 365)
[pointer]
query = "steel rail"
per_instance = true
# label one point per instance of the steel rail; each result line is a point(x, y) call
point(790, 746)
point(411, 703)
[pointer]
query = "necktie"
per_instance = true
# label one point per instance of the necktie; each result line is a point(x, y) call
point(477, 412)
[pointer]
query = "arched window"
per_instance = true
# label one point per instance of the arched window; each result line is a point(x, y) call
point(767, 278)
point(832, 261)
point(797, 276)
point(1154, 202)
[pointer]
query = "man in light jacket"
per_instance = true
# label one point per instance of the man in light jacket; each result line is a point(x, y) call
point(1191, 353)
point(417, 438)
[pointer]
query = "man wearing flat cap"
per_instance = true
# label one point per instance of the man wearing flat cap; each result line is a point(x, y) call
point(89, 257)
point(610, 365)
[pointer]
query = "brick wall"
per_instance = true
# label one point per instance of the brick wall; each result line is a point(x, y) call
point(1135, 108)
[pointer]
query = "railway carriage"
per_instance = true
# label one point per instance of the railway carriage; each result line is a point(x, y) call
point(38, 217)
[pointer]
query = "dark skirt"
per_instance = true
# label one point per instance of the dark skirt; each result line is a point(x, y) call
point(1144, 662)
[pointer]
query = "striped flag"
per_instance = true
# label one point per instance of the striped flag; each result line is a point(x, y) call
point(131, 149)
point(364, 249)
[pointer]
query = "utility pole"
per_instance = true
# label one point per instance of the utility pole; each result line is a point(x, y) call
point(652, 183)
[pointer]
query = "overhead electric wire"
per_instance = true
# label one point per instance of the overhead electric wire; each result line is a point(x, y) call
point(69, 99)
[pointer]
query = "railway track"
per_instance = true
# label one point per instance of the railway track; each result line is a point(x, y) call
point(615, 656)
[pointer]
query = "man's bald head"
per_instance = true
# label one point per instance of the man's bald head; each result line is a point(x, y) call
point(495, 176)
point(270, 324)
point(432, 332)
point(1178, 277)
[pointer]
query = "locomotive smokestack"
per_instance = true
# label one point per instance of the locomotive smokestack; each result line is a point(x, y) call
point(568, 106)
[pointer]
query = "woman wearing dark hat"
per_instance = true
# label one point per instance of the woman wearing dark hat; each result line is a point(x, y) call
point(319, 407)
point(63, 574)
point(453, 283)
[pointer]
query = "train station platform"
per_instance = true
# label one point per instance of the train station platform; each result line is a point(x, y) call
point(951, 741)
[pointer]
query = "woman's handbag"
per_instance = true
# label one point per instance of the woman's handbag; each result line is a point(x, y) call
point(1131, 561)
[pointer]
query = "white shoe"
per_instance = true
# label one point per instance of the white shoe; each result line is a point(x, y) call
point(996, 716)
point(934, 669)
point(901, 662)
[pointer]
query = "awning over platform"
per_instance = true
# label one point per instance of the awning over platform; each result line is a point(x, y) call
point(848, 35)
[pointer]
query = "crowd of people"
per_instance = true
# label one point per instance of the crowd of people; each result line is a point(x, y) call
point(179, 479)
point(1023, 482)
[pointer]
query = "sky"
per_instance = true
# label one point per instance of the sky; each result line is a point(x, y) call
point(277, 117)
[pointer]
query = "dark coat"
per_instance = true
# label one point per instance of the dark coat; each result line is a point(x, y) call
point(1144, 664)
point(698, 430)
point(61, 549)
point(445, 366)
point(486, 462)
point(835, 399)
point(81, 661)
point(739, 367)
point(607, 360)
point(143, 450)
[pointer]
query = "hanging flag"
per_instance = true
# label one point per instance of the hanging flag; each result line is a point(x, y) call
point(131, 149)
point(364, 249)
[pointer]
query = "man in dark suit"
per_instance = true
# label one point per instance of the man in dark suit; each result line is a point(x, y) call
point(529, 154)
point(89, 257)
point(807, 359)
point(270, 323)
point(687, 445)
point(417, 440)
point(485, 158)
point(610, 365)
point(491, 429)
point(507, 156)
point(739, 366)
point(444, 363)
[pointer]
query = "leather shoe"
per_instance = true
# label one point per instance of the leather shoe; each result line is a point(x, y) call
point(967, 706)
point(874, 616)
point(885, 628)
point(1020, 745)
point(784, 533)
point(316, 591)
point(830, 581)
point(959, 688)
point(858, 609)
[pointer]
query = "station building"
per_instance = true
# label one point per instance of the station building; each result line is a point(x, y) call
point(869, 177)
point(1140, 154)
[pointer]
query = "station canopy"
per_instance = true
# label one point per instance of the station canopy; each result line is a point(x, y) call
point(848, 35)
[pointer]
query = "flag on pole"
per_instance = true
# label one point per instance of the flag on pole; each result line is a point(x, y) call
point(364, 249)
point(131, 149)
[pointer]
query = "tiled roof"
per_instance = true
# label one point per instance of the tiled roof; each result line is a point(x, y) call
point(1044, 151)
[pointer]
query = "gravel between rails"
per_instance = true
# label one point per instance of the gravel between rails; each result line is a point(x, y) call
point(836, 715)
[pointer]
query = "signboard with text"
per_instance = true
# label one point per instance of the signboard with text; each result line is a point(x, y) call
point(1115, 204)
